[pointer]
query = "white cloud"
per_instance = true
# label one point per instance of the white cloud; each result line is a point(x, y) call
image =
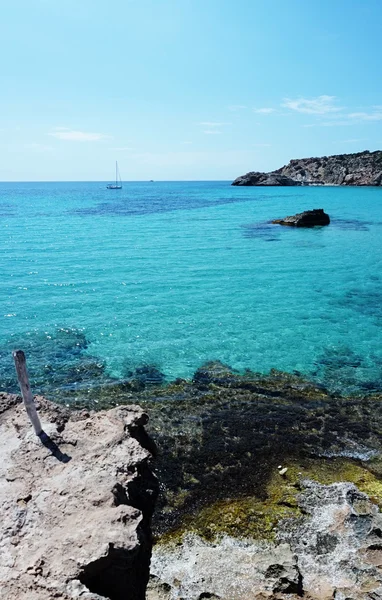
point(213, 124)
point(235, 107)
point(264, 111)
point(356, 118)
point(122, 148)
point(211, 132)
point(321, 105)
point(69, 135)
point(374, 115)
point(352, 141)
point(334, 123)
point(35, 147)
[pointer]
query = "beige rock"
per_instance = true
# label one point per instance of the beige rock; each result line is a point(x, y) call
point(74, 515)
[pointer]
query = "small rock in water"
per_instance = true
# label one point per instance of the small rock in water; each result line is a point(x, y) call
point(308, 218)
point(147, 375)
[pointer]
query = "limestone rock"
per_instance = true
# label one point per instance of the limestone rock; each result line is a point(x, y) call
point(308, 218)
point(74, 510)
point(361, 168)
point(333, 551)
point(265, 179)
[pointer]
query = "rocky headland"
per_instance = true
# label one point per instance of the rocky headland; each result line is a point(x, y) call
point(361, 168)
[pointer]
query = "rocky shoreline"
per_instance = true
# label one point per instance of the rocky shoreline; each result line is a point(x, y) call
point(359, 169)
point(245, 463)
point(333, 550)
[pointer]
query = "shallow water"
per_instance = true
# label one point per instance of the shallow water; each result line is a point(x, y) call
point(96, 283)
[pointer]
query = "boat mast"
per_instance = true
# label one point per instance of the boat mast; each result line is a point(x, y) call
point(116, 171)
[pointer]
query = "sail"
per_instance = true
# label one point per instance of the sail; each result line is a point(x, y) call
point(118, 181)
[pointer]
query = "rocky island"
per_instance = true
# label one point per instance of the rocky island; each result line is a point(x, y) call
point(361, 168)
point(308, 218)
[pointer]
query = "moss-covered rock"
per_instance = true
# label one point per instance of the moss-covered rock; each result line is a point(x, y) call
point(222, 436)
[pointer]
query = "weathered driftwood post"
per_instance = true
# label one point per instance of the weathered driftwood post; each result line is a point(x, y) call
point(22, 376)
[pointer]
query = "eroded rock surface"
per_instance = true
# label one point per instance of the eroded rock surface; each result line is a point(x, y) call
point(75, 510)
point(265, 179)
point(334, 550)
point(308, 218)
point(361, 168)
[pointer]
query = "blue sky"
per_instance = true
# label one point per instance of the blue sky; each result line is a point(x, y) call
point(184, 89)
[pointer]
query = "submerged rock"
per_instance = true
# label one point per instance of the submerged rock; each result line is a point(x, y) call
point(57, 359)
point(147, 375)
point(308, 218)
point(75, 507)
point(212, 372)
point(222, 437)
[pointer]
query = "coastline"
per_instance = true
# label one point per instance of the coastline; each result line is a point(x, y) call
point(222, 435)
point(239, 458)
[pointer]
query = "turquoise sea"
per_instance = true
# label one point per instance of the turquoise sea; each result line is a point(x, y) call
point(98, 283)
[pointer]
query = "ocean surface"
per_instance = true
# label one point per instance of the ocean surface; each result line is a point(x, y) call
point(99, 283)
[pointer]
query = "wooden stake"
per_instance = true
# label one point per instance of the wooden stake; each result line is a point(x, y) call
point(22, 376)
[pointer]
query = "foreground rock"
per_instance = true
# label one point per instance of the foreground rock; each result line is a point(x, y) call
point(75, 512)
point(361, 168)
point(308, 218)
point(334, 550)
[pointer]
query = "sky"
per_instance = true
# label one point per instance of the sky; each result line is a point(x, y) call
point(184, 89)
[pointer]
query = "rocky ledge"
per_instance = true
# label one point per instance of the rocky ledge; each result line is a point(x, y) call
point(332, 550)
point(361, 168)
point(308, 218)
point(75, 509)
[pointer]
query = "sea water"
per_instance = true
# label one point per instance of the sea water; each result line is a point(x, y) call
point(174, 274)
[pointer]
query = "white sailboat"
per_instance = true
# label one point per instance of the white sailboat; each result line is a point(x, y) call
point(118, 182)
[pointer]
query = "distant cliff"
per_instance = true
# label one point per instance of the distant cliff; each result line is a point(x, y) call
point(362, 168)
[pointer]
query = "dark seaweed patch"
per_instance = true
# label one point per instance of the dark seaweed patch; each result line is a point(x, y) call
point(147, 374)
point(7, 210)
point(344, 371)
point(366, 300)
point(142, 205)
point(351, 224)
point(223, 435)
point(55, 360)
point(264, 231)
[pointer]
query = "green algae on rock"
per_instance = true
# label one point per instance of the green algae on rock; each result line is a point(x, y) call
point(222, 436)
point(330, 549)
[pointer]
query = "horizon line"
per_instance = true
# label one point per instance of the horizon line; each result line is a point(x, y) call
point(106, 181)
